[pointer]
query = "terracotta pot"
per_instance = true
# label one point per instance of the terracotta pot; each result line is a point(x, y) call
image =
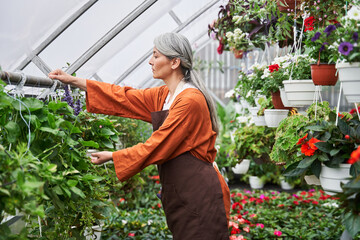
point(324, 74)
point(238, 54)
point(277, 102)
point(289, 4)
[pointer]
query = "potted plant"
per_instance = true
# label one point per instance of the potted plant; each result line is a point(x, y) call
point(256, 175)
point(299, 89)
point(348, 45)
point(327, 147)
point(319, 46)
point(273, 77)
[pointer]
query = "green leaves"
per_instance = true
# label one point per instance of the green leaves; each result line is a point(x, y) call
point(352, 223)
point(13, 131)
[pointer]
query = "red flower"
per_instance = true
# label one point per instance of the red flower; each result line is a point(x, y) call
point(309, 22)
point(341, 115)
point(315, 202)
point(159, 205)
point(347, 137)
point(131, 235)
point(352, 111)
point(307, 150)
point(235, 230)
point(274, 67)
point(302, 140)
point(308, 29)
point(312, 143)
point(355, 156)
point(296, 202)
point(220, 48)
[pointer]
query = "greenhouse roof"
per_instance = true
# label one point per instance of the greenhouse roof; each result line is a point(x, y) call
point(108, 40)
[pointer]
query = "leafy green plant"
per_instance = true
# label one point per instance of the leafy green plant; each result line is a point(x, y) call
point(252, 142)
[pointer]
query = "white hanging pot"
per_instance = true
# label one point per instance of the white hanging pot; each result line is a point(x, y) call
point(330, 178)
point(241, 168)
point(349, 76)
point(299, 92)
point(254, 110)
point(256, 182)
point(259, 120)
point(285, 185)
point(284, 98)
point(274, 116)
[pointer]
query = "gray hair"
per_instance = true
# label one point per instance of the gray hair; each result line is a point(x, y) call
point(175, 45)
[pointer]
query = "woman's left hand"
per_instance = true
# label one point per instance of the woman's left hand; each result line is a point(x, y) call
point(101, 157)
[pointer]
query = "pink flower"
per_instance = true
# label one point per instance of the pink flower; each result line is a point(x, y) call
point(100, 126)
point(246, 229)
point(260, 225)
point(277, 233)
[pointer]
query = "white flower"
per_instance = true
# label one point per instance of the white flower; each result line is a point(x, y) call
point(229, 35)
point(266, 73)
point(237, 31)
point(150, 222)
point(354, 13)
point(242, 119)
point(124, 222)
point(230, 93)
point(235, 18)
point(333, 204)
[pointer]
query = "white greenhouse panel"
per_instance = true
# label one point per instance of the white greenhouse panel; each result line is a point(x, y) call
point(86, 31)
point(24, 24)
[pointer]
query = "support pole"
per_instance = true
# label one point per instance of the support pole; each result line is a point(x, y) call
point(14, 78)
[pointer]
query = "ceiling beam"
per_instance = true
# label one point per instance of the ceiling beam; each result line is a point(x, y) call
point(55, 34)
point(109, 36)
point(178, 29)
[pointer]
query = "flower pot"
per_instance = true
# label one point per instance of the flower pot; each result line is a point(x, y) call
point(284, 98)
point(241, 168)
point(256, 182)
point(330, 178)
point(349, 76)
point(285, 185)
point(238, 54)
point(287, 5)
point(277, 102)
point(312, 180)
point(274, 116)
point(324, 74)
point(258, 120)
point(299, 92)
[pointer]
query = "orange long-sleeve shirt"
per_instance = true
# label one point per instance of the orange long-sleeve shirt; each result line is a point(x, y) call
point(187, 128)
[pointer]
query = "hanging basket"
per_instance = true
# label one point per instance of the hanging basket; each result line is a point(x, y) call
point(241, 168)
point(256, 182)
point(274, 116)
point(277, 102)
point(349, 76)
point(330, 178)
point(258, 120)
point(299, 92)
point(324, 74)
point(287, 5)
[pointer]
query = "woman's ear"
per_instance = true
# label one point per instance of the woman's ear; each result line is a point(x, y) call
point(175, 63)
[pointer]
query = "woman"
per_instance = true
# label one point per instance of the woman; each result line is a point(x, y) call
point(194, 195)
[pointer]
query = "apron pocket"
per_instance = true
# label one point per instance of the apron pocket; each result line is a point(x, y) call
point(175, 202)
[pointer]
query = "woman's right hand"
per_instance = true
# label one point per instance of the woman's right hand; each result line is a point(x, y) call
point(61, 76)
point(68, 79)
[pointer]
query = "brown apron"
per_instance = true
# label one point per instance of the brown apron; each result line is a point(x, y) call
point(191, 195)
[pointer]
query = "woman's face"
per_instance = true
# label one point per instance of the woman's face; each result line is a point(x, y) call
point(161, 65)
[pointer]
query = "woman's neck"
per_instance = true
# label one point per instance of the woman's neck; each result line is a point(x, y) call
point(173, 82)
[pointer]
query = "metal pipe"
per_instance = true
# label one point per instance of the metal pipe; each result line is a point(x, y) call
point(15, 78)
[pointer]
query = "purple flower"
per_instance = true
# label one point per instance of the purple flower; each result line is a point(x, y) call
point(67, 97)
point(345, 48)
point(355, 36)
point(323, 46)
point(328, 30)
point(316, 36)
point(78, 107)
